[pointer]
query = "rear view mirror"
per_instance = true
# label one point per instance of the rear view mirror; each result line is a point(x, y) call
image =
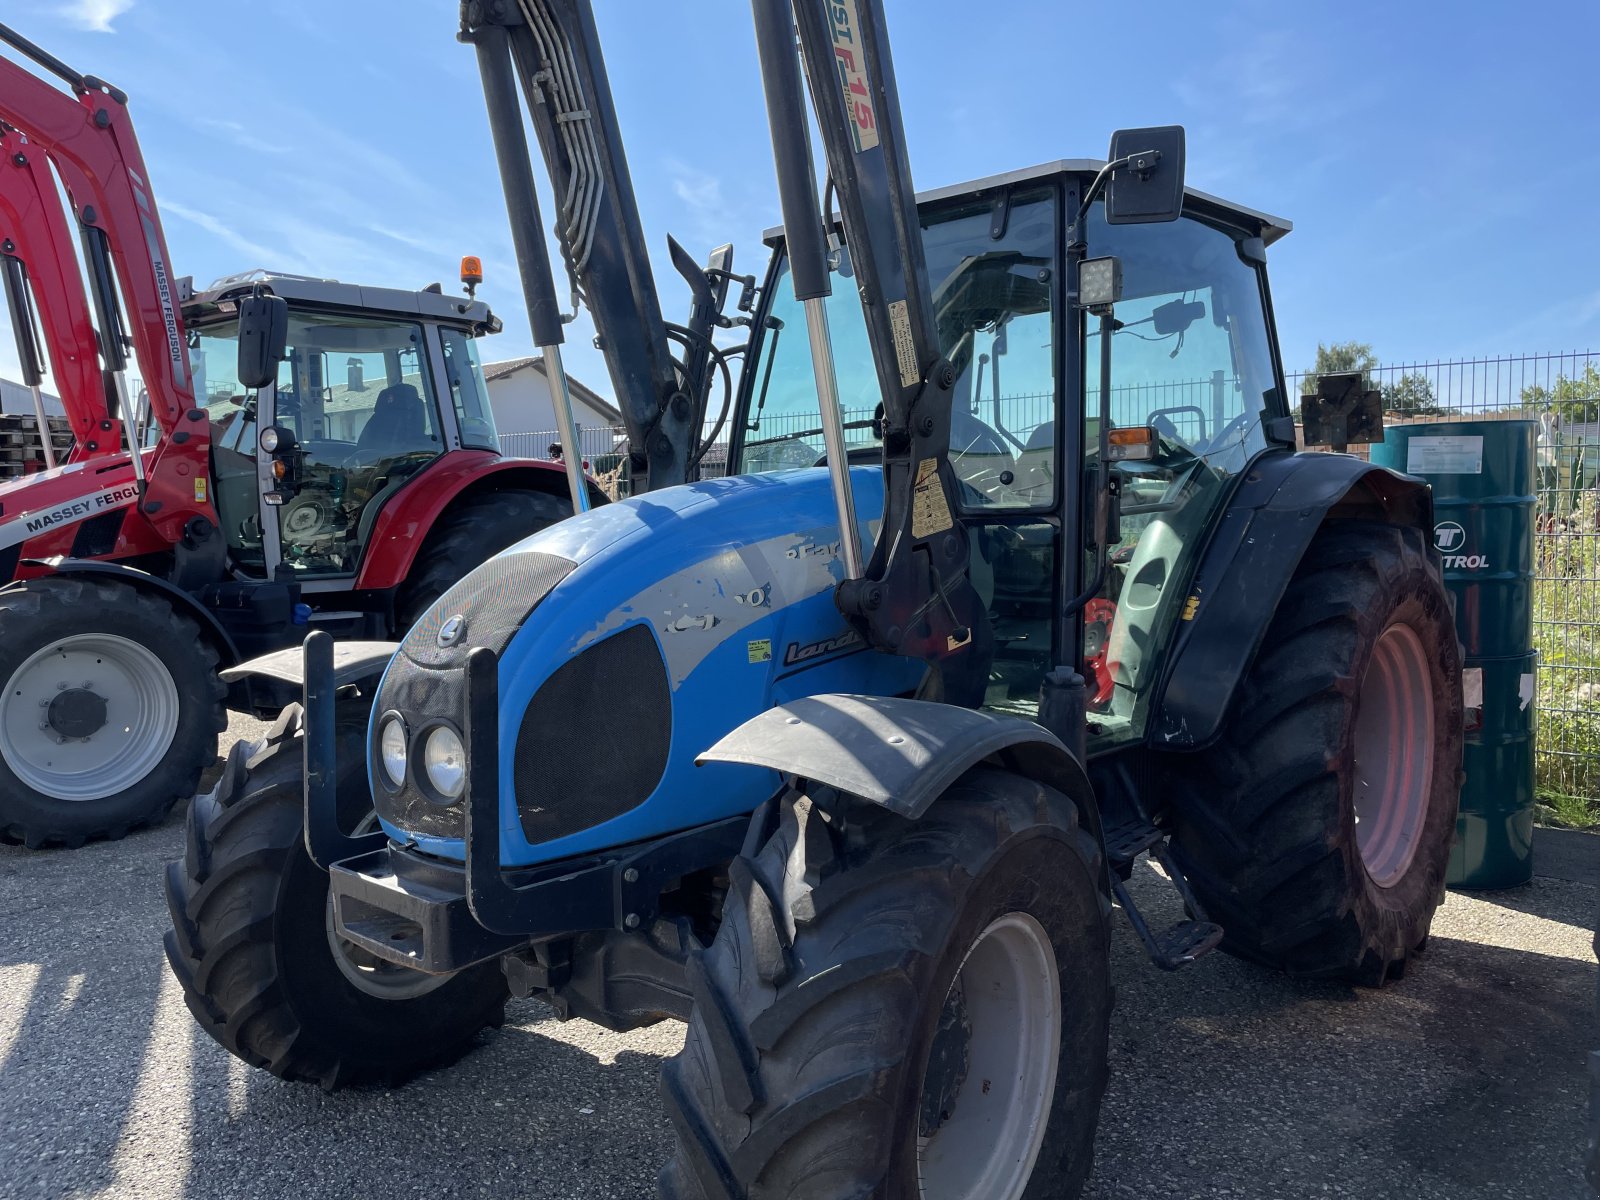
point(1150, 187)
point(263, 338)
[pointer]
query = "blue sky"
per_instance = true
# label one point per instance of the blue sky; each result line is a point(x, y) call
point(1438, 160)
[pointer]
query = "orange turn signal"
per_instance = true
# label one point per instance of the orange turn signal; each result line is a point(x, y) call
point(279, 468)
point(1134, 443)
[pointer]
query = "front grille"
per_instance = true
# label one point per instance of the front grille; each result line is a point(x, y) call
point(595, 737)
point(494, 600)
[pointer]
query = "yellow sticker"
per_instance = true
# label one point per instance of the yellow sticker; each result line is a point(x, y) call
point(199, 489)
point(1190, 607)
point(930, 512)
point(760, 651)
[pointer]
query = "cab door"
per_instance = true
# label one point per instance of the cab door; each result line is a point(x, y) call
point(1192, 357)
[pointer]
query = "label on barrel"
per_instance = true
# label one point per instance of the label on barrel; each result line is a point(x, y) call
point(1457, 454)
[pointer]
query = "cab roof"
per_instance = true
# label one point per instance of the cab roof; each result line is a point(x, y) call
point(1268, 227)
point(428, 303)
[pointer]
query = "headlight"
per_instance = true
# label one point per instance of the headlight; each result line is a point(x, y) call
point(269, 439)
point(445, 760)
point(392, 750)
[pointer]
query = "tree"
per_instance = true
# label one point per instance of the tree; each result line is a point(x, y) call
point(1575, 401)
point(1341, 356)
point(1413, 396)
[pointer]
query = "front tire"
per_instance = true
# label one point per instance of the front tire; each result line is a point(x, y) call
point(1317, 831)
point(110, 706)
point(470, 534)
point(262, 968)
point(905, 1009)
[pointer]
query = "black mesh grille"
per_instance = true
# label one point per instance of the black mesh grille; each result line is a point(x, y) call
point(495, 599)
point(594, 741)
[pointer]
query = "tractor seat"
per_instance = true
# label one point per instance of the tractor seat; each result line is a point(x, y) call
point(398, 423)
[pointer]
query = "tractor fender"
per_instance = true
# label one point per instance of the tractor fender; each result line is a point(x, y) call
point(403, 525)
point(181, 600)
point(1257, 545)
point(353, 662)
point(900, 754)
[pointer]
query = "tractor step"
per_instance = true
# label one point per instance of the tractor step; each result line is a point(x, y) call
point(1125, 842)
point(1185, 941)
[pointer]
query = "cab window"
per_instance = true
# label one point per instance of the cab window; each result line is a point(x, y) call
point(1191, 359)
point(214, 363)
point(993, 306)
point(358, 397)
point(468, 391)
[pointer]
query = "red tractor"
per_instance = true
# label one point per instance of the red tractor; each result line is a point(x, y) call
point(312, 455)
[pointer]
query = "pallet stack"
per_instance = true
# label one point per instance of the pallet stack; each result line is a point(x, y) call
point(20, 450)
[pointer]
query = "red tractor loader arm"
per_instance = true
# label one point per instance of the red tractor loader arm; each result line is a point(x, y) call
point(88, 138)
point(33, 230)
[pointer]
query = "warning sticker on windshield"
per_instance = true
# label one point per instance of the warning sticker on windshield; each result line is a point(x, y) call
point(930, 511)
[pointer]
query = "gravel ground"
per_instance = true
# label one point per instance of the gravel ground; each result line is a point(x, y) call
point(1463, 1081)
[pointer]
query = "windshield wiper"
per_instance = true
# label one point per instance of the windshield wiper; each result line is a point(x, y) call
point(805, 433)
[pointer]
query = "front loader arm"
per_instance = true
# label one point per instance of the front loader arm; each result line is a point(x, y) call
point(914, 597)
point(33, 230)
point(90, 140)
point(555, 49)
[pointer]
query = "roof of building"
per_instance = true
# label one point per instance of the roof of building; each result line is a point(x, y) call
point(580, 391)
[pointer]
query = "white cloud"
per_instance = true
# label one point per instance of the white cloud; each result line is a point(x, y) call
point(261, 256)
point(95, 15)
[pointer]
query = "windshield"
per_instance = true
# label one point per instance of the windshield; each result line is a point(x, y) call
point(993, 305)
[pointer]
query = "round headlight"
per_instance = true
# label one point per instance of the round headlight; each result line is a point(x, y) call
point(392, 750)
point(269, 439)
point(445, 760)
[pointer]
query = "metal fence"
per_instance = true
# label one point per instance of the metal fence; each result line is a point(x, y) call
point(1560, 391)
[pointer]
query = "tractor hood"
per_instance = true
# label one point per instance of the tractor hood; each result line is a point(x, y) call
point(630, 638)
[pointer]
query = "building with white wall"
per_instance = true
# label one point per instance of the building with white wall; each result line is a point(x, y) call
point(519, 393)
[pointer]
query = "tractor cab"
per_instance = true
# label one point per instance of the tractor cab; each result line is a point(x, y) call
point(1196, 387)
point(374, 384)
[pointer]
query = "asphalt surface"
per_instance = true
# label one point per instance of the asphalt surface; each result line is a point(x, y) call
point(1463, 1081)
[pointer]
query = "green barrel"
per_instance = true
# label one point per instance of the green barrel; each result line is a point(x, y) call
point(1483, 480)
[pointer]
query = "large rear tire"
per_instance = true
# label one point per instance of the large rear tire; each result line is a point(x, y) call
point(1317, 831)
point(252, 942)
point(906, 1009)
point(110, 706)
point(473, 532)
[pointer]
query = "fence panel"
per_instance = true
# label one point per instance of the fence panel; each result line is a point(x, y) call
point(1562, 393)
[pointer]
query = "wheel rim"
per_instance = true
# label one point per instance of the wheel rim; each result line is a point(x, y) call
point(367, 972)
point(1394, 755)
point(990, 1077)
point(88, 717)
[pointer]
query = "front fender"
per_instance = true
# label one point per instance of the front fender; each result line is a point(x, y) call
point(900, 754)
point(400, 530)
point(1246, 569)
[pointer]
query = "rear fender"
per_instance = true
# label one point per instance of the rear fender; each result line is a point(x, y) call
point(402, 527)
point(181, 600)
point(1246, 568)
point(900, 754)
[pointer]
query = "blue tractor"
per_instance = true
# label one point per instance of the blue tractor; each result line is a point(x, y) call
point(844, 759)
